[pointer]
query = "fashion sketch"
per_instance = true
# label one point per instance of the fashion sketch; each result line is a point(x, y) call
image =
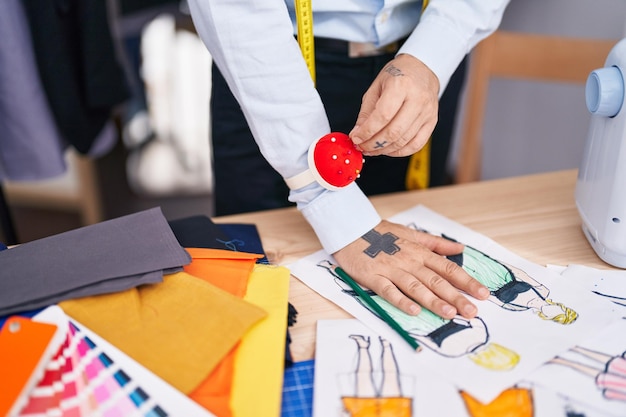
point(451, 338)
point(608, 372)
point(376, 393)
point(510, 287)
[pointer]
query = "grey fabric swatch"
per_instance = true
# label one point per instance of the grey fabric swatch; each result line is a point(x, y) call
point(110, 256)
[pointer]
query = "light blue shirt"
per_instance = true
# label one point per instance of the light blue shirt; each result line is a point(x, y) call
point(252, 43)
point(375, 21)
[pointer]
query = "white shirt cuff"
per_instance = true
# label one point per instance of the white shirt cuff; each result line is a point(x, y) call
point(339, 217)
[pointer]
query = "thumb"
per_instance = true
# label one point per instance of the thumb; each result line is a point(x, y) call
point(357, 135)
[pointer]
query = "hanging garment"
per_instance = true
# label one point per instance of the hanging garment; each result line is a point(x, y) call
point(78, 66)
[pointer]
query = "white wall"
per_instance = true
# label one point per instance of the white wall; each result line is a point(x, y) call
point(537, 127)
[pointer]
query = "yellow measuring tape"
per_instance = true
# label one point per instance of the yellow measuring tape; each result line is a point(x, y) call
point(304, 19)
point(418, 171)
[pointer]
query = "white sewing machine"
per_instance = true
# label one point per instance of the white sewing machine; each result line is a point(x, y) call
point(601, 185)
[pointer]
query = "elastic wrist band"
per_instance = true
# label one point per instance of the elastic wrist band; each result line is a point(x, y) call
point(334, 163)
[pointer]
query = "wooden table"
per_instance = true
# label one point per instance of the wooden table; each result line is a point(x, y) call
point(534, 216)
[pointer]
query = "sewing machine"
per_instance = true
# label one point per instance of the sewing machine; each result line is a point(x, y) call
point(601, 185)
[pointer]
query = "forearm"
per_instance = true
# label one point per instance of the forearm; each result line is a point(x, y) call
point(253, 45)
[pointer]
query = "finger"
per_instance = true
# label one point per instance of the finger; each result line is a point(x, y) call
point(376, 113)
point(405, 134)
point(444, 290)
point(437, 244)
point(416, 143)
point(390, 292)
point(395, 136)
point(456, 276)
point(426, 287)
point(368, 106)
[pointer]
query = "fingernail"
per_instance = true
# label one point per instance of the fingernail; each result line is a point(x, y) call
point(483, 292)
point(414, 310)
point(470, 310)
point(448, 311)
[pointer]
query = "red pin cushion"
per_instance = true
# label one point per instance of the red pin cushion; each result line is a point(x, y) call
point(334, 162)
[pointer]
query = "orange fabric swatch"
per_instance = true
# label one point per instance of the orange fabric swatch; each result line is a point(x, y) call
point(225, 269)
point(214, 392)
point(229, 271)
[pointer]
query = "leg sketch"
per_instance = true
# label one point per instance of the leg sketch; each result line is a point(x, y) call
point(609, 374)
point(390, 385)
point(364, 374)
point(371, 399)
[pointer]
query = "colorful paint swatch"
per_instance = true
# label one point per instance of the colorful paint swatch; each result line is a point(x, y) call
point(87, 376)
point(25, 348)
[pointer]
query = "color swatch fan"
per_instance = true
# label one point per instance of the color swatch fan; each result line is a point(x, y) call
point(87, 376)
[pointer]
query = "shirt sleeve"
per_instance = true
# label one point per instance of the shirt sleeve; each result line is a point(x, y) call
point(448, 30)
point(253, 45)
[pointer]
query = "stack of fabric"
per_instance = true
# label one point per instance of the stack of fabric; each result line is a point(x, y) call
point(182, 299)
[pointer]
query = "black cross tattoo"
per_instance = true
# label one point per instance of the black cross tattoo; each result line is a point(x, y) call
point(380, 243)
point(380, 144)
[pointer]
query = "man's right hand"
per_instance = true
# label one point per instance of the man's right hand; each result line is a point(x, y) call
point(408, 268)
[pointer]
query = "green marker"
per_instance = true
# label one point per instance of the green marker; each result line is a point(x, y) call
point(377, 308)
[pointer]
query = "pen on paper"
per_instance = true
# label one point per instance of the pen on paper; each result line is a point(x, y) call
point(377, 308)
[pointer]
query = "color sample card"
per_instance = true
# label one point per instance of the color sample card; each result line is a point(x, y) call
point(26, 347)
point(88, 376)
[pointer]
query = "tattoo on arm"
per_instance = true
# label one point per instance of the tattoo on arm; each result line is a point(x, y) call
point(380, 243)
point(394, 71)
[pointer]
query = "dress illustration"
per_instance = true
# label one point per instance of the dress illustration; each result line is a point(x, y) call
point(511, 288)
point(448, 337)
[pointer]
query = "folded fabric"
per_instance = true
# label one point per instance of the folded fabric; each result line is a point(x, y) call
point(179, 329)
point(201, 232)
point(229, 271)
point(261, 352)
point(225, 269)
point(244, 238)
point(106, 257)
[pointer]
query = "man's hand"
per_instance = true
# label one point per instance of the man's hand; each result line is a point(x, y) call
point(408, 268)
point(399, 110)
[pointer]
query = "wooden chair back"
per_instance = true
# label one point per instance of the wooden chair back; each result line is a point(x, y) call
point(516, 55)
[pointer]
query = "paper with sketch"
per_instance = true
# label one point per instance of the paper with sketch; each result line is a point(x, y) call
point(531, 316)
point(353, 365)
point(596, 368)
point(355, 368)
point(609, 284)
